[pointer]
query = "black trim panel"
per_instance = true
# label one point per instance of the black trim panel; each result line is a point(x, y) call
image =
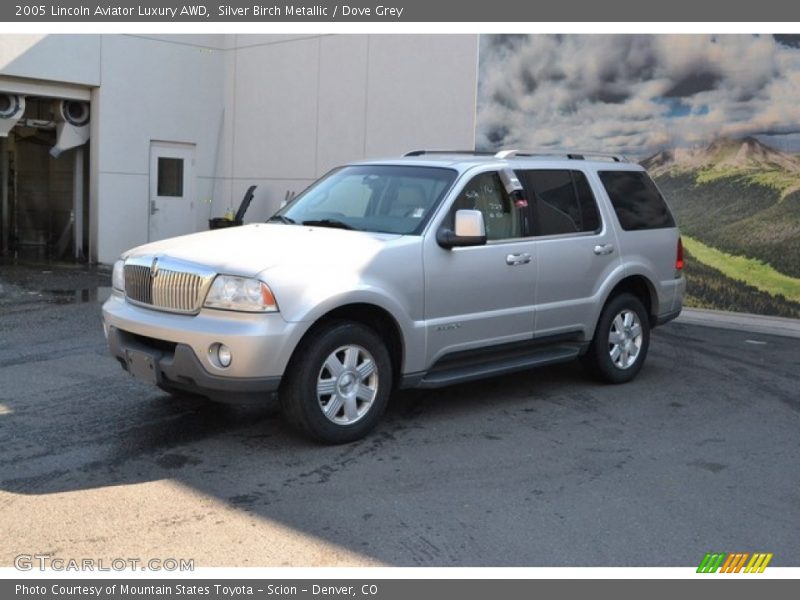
point(177, 368)
point(480, 363)
point(666, 318)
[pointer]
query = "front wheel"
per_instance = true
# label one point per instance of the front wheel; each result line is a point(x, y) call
point(338, 383)
point(621, 340)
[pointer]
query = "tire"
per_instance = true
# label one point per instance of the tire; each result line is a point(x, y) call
point(338, 383)
point(621, 340)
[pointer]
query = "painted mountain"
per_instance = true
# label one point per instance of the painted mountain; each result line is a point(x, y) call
point(738, 205)
point(715, 118)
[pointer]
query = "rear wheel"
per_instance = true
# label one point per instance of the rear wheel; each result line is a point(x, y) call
point(338, 383)
point(621, 340)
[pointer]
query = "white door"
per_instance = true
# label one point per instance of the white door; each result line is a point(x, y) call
point(172, 182)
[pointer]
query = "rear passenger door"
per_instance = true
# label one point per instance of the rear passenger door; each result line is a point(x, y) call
point(575, 249)
point(650, 235)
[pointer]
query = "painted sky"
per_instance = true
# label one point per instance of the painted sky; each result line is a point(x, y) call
point(637, 94)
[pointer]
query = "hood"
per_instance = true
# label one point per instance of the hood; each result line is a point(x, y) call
point(250, 249)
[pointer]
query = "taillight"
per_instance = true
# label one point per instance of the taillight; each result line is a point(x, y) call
point(679, 255)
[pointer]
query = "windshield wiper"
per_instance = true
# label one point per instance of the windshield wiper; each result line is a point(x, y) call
point(281, 219)
point(330, 223)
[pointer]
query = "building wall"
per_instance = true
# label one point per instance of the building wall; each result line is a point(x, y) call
point(61, 58)
point(301, 105)
point(151, 89)
point(44, 66)
point(276, 111)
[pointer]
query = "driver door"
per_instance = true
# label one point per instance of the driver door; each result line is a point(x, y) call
point(481, 295)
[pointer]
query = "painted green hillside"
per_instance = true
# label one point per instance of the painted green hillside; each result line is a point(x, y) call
point(739, 217)
point(738, 202)
point(709, 287)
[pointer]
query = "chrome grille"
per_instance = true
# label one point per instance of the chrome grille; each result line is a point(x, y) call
point(137, 284)
point(172, 286)
point(175, 290)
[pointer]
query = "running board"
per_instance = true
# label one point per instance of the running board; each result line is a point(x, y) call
point(449, 374)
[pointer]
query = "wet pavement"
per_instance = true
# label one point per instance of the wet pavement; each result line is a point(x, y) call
point(543, 468)
point(23, 285)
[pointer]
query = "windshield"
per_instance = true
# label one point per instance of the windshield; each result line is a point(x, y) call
point(382, 198)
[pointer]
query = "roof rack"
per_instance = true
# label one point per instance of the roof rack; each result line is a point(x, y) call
point(573, 155)
point(468, 152)
point(504, 154)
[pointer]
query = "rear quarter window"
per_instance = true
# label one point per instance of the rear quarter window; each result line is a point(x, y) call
point(636, 200)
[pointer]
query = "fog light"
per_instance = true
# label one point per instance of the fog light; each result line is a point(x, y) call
point(222, 355)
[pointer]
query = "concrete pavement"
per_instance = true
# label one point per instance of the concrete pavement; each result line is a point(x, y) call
point(543, 468)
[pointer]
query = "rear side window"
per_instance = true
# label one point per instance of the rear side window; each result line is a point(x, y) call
point(636, 200)
point(562, 201)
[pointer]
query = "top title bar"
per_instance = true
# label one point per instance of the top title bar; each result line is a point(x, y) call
point(407, 11)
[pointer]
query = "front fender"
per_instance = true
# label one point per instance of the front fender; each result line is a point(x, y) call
point(308, 299)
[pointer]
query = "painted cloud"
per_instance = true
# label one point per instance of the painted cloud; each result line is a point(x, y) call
point(637, 94)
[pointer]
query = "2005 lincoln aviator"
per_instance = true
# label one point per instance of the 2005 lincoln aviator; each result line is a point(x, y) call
point(420, 271)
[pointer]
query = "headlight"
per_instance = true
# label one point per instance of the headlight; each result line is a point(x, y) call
point(240, 293)
point(118, 276)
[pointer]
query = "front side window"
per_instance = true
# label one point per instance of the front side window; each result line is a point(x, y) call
point(380, 198)
point(486, 193)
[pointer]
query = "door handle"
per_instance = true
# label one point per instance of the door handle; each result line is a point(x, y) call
point(153, 208)
point(518, 259)
point(604, 249)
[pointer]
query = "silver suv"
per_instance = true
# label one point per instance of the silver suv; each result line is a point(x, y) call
point(422, 271)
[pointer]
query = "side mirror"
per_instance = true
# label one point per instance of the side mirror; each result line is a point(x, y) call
point(469, 230)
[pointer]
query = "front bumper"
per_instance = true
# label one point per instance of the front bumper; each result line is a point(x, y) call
point(176, 368)
point(174, 349)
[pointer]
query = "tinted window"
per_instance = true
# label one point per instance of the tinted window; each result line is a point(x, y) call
point(486, 193)
point(562, 202)
point(590, 217)
point(636, 200)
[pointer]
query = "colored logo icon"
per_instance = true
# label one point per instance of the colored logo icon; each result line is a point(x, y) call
point(734, 562)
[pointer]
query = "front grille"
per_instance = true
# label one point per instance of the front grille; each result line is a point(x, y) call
point(176, 291)
point(170, 289)
point(138, 286)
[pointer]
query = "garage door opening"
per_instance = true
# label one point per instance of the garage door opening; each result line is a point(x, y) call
point(44, 177)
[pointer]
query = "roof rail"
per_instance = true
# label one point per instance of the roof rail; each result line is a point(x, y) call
point(469, 152)
point(597, 155)
point(572, 155)
point(504, 154)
